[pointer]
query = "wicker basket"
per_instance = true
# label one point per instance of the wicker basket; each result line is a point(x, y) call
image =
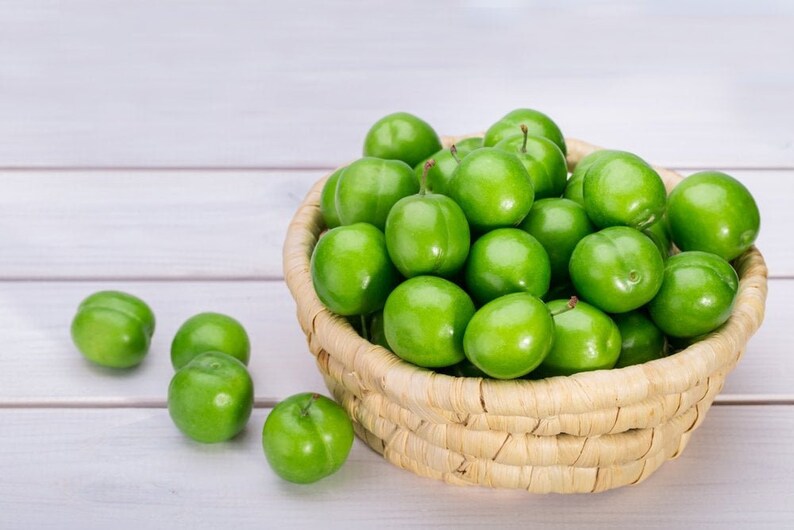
point(588, 432)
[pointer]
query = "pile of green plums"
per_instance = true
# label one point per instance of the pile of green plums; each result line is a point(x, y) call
point(488, 259)
point(210, 398)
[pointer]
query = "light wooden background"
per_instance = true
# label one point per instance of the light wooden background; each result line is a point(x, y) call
point(161, 148)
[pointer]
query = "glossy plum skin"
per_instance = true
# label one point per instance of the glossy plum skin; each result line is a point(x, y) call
point(544, 161)
point(424, 320)
point(113, 329)
point(468, 145)
point(351, 270)
point(492, 188)
point(209, 332)
point(537, 123)
point(559, 225)
point(713, 212)
point(211, 398)
point(307, 437)
point(504, 261)
point(641, 339)
point(510, 336)
point(621, 189)
point(369, 187)
point(616, 269)
point(697, 294)
point(439, 176)
point(427, 234)
point(573, 188)
point(585, 339)
point(328, 200)
point(401, 136)
point(659, 233)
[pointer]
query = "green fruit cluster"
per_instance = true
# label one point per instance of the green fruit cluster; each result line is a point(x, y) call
point(211, 395)
point(488, 259)
point(305, 438)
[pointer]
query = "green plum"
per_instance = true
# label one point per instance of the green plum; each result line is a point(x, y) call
point(401, 136)
point(641, 339)
point(209, 332)
point(697, 294)
point(537, 123)
point(573, 188)
point(544, 161)
point(588, 160)
point(113, 329)
point(424, 320)
point(467, 145)
point(621, 189)
point(510, 336)
point(558, 224)
point(211, 398)
point(328, 200)
point(504, 261)
point(713, 212)
point(585, 339)
point(659, 234)
point(427, 234)
point(445, 163)
point(351, 270)
point(369, 187)
point(616, 269)
point(492, 188)
point(307, 437)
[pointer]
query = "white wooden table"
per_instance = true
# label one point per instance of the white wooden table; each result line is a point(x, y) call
point(161, 148)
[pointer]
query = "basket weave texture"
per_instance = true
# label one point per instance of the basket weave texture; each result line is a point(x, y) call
point(589, 432)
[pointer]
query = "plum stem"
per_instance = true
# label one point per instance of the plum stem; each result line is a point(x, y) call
point(423, 186)
point(454, 152)
point(524, 130)
point(570, 305)
point(308, 405)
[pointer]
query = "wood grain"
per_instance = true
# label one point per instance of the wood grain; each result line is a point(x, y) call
point(242, 105)
point(47, 367)
point(271, 84)
point(132, 469)
point(212, 224)
point(184, 224)
point(35, 319)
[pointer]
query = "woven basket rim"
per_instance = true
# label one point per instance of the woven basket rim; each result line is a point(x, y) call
point(578, 393)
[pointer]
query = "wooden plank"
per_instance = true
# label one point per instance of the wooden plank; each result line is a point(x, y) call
point(142, 84)
point(772, 190)
point(35, 319)
point(185, 224)
point(212, 224)
point(131, 468)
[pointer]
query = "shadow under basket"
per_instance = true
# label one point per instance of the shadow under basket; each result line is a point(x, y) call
point(588, 432)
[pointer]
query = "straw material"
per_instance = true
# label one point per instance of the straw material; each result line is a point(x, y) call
point(588, 432)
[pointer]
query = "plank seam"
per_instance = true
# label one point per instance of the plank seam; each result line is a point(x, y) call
point(106, 403)
point(296, 168)
point(263, 278)
point(743, 400)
